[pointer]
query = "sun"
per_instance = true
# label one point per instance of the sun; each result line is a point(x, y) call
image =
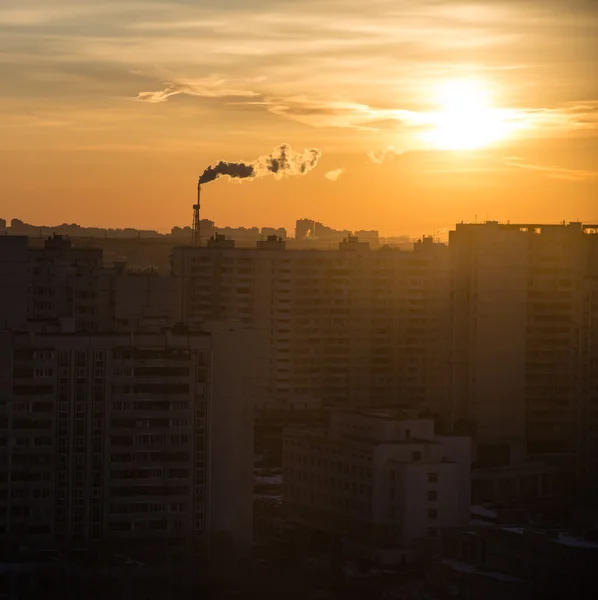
point(466, 120)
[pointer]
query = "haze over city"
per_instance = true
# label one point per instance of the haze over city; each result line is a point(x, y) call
point(299, 299)
point(426, 113)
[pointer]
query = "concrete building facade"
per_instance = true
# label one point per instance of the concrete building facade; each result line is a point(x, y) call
point(481, 562)
point(58, 283)
point(524, 341)
point(350, 326)
point(137, 440)
point(380, 481)
point(14, 274)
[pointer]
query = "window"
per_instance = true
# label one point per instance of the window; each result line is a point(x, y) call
point(432, 513)
point(432, 477)
point(432, 532)
point(43, 372)
point(416, 456)
point(432, 496)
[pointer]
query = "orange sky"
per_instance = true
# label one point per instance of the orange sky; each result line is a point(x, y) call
point(109, 110)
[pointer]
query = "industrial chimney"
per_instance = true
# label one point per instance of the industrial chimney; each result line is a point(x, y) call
point(195, 231)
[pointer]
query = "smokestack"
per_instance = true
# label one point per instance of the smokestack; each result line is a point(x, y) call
point(281, 162)
point(196, 241)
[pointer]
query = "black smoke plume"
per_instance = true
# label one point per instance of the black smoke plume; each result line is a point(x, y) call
point(281, 162)
point(235, 170)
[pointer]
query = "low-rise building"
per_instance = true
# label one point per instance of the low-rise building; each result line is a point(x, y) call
point(378, 480)
point(530, 484)
point(495, 562)
point(273, 416)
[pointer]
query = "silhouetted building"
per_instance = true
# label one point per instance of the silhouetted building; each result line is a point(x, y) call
point(349, 326)
point(534, 485)
point(510, 562)
point(313, 234)
point(67, 282)
point(524, 341)
point(140, 440)
point(273, 416)
point(381, 480)
point(59, 283)
point(14, 276)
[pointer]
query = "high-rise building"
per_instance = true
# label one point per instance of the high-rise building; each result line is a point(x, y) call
point(525, 340)
point(67, 282)
point(14, 276)
point(59, 283)
point(350, 326)
point(379, 479)
point(135, 440)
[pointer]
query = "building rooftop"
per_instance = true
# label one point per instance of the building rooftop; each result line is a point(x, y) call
point(470, 569)
point(559, 537)
point(387, 414)
point(323, 434)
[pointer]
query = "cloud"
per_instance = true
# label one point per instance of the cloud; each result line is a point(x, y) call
point(315, 112)
point(552, 171)
point(568, 117)
point(335, 66)
point(330, 112)
point(208, 87)
point(339, 113)
point(334, 175)
point(381, 156)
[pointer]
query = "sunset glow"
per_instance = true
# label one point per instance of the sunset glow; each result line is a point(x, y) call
point(118, 107)
point(467, 120)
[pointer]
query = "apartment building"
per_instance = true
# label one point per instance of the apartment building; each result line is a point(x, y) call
point(135, 440)
point(58, 283)
point(69, 282)
point(493, 562)
point(351, 326)
point(380, 481)
point(524, 341)
point(14, 277)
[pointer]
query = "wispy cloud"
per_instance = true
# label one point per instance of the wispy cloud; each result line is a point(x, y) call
point(381, 156)
point(570, 116)
point(316, 112)
point(330, 112)
point(208, 87)
point(554, 172)
point(334, 175)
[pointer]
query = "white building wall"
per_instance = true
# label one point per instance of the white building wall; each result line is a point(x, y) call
point(415, 487)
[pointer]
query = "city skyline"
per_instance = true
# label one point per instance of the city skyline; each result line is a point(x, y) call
point(425, 115)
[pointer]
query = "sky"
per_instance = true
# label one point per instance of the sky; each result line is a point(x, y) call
point(423, 113)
